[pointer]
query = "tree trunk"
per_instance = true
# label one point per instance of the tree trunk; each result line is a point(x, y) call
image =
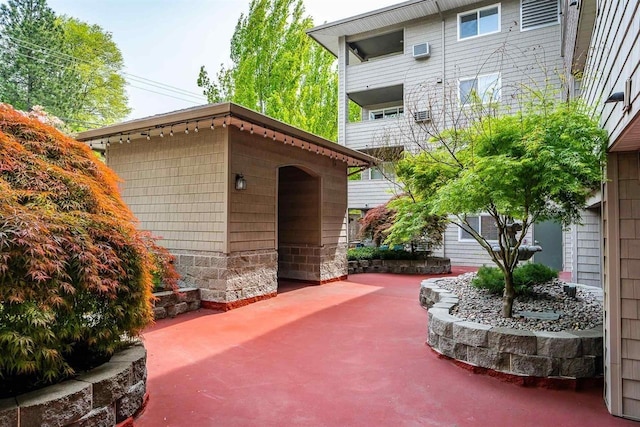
point(509, 295)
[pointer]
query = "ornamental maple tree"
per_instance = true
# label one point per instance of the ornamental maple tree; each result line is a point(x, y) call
point(75, 272)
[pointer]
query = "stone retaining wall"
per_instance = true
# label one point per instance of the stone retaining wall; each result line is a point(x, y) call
point(170, 304)
point(105, 396)
point(432, 265)
point(567, 354)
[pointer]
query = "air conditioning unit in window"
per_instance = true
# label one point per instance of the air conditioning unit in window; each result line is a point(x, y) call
point(422, 116)
point(422, 50)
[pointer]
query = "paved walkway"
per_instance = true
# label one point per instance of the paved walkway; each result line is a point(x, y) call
point(348, 353)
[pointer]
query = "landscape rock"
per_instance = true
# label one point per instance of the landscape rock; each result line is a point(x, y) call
point(512, 341)
point(98, 417)
point(109, 382)
point(56, 405)
point(129, 404)
point(8, 412)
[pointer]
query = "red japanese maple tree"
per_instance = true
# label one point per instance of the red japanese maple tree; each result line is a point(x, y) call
point(75, 272)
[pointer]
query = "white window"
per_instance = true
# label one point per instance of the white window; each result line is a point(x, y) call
point(386, 113)
point(484, 225)
point(479, 22)
point(538, 13)
point(384, 171)
point(486, 88)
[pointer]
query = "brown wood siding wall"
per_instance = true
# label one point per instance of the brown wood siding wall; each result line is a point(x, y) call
point(175, 187)
point(629, 208)
point(253, 212)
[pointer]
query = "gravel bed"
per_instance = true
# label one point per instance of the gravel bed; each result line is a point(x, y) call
point(478, 305)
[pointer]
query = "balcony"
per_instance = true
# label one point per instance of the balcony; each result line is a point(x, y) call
point(377, 133)
point(378, 72)
point(369, 194)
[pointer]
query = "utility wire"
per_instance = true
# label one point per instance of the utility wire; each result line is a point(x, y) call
point(138, 79)
point(67, 57)
point(194, 102)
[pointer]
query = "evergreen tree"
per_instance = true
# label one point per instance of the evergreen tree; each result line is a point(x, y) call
point(30, 37)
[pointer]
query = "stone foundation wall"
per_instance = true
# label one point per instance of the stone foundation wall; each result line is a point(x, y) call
point(226, 280)
point(171, 304)
point(432, 265)
point(567, 354)
point(299, 262)
point(333, 262)
point(105, 396)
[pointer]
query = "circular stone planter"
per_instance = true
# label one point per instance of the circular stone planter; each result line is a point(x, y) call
point(108, 394)
point(562, 355)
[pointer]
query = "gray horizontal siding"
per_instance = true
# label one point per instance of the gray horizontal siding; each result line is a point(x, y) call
point(376, 73)
point(377, 133)
point(567, 249)
point(369, 194)
point(607, 69)
point(588, 249)
point(466, 253)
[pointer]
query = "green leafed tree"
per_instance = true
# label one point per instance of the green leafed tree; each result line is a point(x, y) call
point(278, 70)
point(70, 68)
point(96, 92)
point(539, 164)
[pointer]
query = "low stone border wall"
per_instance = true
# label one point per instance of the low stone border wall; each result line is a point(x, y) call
point(432, 265)
point(109, 394)
point(567, 354)
point(170, 304)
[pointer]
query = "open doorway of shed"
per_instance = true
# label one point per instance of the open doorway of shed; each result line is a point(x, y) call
point(299, 228)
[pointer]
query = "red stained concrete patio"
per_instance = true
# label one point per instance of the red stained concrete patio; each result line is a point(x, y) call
point(349, 353)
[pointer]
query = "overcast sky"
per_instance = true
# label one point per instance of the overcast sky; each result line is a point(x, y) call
point(168, 40)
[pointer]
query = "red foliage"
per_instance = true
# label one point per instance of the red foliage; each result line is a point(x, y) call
point(75, 272)
point(376, 223)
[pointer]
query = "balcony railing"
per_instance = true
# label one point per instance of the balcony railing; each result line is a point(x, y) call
point(377, 73)
point(377, 133)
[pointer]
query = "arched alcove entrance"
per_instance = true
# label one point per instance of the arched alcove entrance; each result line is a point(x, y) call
point(299, 225)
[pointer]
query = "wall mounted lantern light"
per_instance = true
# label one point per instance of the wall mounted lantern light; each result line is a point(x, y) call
point(241, 183)
point(615, 97)
point(624, 97)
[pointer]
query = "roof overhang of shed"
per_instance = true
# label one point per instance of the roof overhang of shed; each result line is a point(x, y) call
point(222, 115)
point(328, 34)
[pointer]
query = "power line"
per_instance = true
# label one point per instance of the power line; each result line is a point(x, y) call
point(164, 94)
point(128, 83)
point(69, 59)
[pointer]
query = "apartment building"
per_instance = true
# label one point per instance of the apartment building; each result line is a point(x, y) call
point(411, 67)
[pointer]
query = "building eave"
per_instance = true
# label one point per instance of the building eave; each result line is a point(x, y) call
point(329, 33)
point(229, 114)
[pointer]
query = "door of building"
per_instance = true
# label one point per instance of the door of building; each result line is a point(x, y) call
point(548, 234)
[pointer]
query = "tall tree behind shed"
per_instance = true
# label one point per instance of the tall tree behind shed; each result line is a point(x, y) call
point(278, 70)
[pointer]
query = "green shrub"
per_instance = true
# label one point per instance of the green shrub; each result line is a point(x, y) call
point(357, 254)
point(531, 274)
point(489, 278)
point(75, 272)
point(524, 277)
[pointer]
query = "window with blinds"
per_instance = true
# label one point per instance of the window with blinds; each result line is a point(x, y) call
point(538, 13)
